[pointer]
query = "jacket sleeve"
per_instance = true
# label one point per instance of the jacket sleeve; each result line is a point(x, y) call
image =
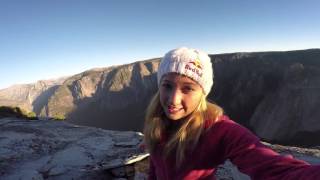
point(151, 174)
point(260, 162)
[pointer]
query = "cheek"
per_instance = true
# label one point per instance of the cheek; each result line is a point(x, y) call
point(195, 100)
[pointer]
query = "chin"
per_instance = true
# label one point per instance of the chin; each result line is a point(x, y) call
point(175, 117)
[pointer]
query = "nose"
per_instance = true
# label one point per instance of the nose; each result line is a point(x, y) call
point(175, 97)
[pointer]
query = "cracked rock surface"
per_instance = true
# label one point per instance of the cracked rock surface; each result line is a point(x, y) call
point(42, 149)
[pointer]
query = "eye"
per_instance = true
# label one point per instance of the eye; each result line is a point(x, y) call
point(187, 89)
point(166, 86)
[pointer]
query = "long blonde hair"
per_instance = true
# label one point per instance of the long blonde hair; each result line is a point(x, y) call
point(186, 136)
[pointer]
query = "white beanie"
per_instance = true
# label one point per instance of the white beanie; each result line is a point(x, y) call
point(192, 63)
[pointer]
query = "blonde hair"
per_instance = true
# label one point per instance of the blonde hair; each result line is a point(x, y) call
point(186, 136)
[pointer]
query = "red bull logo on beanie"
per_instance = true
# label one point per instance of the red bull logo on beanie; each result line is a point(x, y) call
point(196, 63)
point(195, 66)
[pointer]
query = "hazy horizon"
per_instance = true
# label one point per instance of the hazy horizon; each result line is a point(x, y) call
point(44, 39)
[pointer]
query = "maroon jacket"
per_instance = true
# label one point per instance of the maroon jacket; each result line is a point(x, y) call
point(229, 140)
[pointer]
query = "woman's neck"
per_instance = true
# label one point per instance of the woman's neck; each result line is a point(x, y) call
point(173, 126)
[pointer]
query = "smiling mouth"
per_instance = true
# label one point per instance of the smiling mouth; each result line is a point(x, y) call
point(172, 110)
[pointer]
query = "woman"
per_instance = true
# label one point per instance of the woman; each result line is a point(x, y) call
point(188, 137)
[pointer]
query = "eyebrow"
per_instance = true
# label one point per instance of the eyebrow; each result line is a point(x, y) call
point(167, 81)
point(189, 83)
point(184, 83)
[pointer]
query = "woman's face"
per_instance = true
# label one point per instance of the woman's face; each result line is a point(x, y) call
point(179, 95)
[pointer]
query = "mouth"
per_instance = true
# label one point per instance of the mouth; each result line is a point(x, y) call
point(173, 110)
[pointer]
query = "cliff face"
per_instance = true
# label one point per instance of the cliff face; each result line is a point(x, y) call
point(290, 113)
point(275, 94)
point(111, 98)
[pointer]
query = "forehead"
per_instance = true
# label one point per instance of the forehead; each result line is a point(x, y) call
point(178, 78)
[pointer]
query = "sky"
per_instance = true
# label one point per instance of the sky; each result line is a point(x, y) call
point(47, 39)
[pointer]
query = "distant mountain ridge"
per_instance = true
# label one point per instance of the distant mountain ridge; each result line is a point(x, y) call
point(275, 94)
point(30, 97)
point(107, 97)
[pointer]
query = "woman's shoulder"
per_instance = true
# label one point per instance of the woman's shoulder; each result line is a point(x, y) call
point(224, 120)
point(223, 124)
point(220, 121)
